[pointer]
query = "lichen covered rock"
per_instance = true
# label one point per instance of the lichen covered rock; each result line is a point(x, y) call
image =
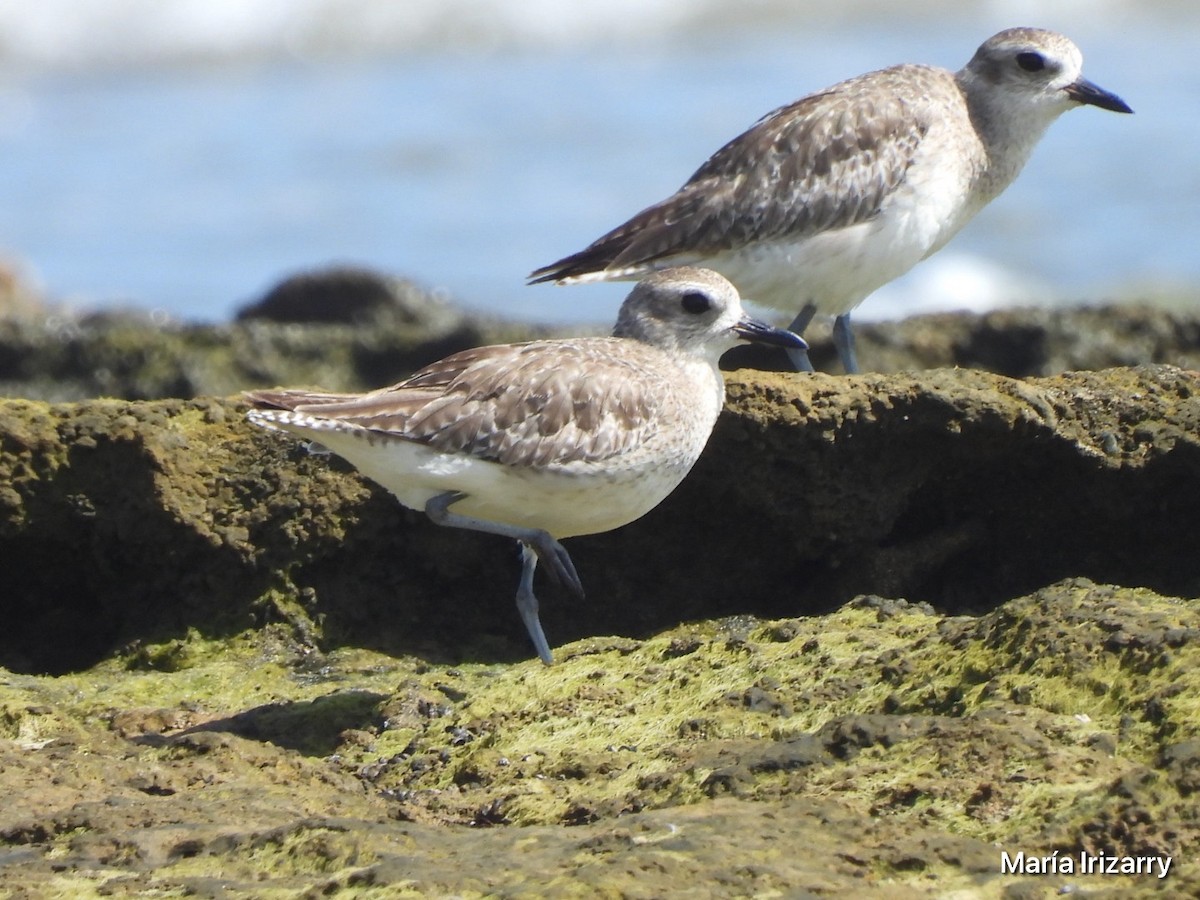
point(235, 668)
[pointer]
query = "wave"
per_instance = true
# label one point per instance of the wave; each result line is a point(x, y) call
point(957, 282)
point(83, 34)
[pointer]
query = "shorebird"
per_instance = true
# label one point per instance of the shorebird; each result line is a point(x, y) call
point(548, 439)
point(826, 199)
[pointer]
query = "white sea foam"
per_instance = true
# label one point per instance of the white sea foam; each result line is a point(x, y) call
point(86, 33)
point(954, 282)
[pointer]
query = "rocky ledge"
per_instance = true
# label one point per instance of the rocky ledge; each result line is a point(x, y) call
point(897, 635)
point(386, 327)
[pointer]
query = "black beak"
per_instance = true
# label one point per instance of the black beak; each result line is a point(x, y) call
point(749, 329)
point(1083, 91)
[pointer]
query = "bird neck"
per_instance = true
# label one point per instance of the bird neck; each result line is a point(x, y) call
point(1008, 126)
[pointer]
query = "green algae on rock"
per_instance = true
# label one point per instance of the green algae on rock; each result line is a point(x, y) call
point(880, 749)
point(125, 522)
point(234, 668)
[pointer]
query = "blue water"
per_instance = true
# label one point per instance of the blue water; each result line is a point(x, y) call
point(193, 186)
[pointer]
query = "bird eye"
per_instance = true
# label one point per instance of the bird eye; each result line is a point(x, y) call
point(1031, 62)
point(695, 302)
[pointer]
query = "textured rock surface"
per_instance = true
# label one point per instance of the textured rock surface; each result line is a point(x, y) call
point(393, 328)
point(1021, 342)
point(124, 521)
point(235, 669)
point(340, 328)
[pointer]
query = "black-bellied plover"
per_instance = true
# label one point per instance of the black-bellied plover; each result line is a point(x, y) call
point(827, 199)
point(548, 439)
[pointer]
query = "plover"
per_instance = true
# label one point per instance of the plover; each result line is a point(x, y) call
point(548, 439)
point(827, 199)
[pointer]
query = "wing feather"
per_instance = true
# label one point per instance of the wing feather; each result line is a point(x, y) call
point(524, 405)
point(828, 160)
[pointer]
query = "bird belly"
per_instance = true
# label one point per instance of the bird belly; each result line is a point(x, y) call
point(579, 498)
point(835, 270)
point(569, 503)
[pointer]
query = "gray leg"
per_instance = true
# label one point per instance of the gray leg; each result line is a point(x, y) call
point(843, 340)
point(535, 544)
point(799, 357)
point(551, 552)
point(527, 605)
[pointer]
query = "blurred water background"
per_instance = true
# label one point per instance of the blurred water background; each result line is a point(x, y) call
point(183, 155)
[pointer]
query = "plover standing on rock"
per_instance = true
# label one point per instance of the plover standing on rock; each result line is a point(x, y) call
point(829, 198)
point(548, 439)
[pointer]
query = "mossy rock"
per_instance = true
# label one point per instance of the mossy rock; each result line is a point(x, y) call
point(233, 668)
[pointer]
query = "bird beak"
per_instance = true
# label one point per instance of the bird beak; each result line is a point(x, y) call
point(1083, 91)
point(749, 329)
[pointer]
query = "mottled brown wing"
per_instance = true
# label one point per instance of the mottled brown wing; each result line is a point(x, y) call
point(541, 404)
point(536, 404)
point(826, 161)
point(387, 409)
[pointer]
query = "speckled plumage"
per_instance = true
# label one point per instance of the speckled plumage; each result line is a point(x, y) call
point(546, 439)
point(826, 199)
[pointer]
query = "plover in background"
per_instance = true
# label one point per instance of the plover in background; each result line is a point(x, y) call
point(827, 199)
point(548, 439)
